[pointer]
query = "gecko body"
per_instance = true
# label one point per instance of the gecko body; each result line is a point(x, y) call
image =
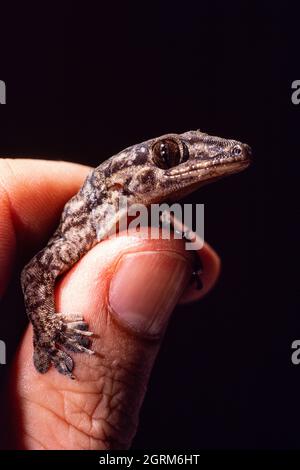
point(161, 169)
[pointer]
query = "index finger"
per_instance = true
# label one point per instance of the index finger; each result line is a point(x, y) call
point(32, 195)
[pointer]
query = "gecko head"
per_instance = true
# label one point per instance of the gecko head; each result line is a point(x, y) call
point(174, 165)
point(183, 162)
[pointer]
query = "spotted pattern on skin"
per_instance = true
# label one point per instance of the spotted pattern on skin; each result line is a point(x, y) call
point(88, 217)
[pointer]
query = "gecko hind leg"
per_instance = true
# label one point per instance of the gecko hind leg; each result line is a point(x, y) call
point(62, 362)
point(48, 354)
point(41, 359)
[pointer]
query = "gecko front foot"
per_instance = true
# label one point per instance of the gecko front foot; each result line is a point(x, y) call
point(69, 331)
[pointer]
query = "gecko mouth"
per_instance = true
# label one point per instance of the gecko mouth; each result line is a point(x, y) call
point(197, 176)
point(217, 165)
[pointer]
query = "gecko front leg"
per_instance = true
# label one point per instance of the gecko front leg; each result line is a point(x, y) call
point(51, 329)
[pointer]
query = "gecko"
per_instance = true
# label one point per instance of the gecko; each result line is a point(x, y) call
point(162, 169)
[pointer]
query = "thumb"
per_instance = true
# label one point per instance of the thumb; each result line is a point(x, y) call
point(126, 289)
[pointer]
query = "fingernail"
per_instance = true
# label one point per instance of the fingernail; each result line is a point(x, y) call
point(146, 287)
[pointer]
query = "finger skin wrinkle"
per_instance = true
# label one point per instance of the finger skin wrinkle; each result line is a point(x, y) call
point(105, 414)
point(36, 444)
point(53, 421)
point(56, 431)
point(92, 416)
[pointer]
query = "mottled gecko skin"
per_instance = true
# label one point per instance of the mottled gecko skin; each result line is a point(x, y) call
point(158, 170)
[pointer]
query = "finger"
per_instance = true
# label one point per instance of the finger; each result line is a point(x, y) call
point(211, 266)
point(32, 195)
point(126, 288)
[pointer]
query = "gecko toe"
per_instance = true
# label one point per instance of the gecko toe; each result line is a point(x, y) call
point(69, 317)
point(62, 362)
point(83, 332)
point(71, 331)
point(79, 325)
point(76, 342)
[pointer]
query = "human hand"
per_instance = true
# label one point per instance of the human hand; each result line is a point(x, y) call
point(126, 289)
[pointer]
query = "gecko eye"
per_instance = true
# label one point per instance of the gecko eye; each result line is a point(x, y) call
point(236, 151)
point(166, 153)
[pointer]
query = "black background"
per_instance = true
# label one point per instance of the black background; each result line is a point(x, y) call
point(84, 82)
